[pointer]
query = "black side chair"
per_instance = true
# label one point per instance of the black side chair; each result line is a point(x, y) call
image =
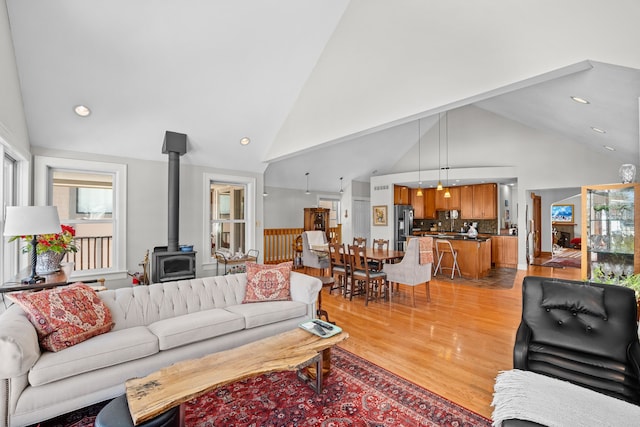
point(586, 334)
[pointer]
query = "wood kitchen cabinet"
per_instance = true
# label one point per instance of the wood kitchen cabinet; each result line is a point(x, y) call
point(453, 202)
point(430, 203)
point(466, 202)
point(401, 195)
point(504, 251)
point(417, 202)
point(424, 207)
point(485, 201)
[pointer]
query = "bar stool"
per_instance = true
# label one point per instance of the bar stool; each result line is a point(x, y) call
point(443, 247)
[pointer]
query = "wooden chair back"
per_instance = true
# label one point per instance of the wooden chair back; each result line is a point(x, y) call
point(382, 244)
point(358, 259)
point(360, 241)
point(337, 254)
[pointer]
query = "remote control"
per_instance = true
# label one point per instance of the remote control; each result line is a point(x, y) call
point(319, 330)
point(323, 325)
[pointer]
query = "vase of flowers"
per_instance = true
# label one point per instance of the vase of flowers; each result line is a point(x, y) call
point(51, 248)
point(48, 262)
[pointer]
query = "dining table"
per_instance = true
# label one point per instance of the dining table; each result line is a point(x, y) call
point(383, 255)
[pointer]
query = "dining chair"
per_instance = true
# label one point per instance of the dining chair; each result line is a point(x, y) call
point(382, 245)
point(412, 270)
point(373, 281)
point(360, 241)
point(338, 267)
point(444, 247)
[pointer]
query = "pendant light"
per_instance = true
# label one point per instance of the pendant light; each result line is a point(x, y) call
point(439, 187)
point(264, 185)
point(341, 190)
point(307, 191)
point(447, 194)
point(419, 192)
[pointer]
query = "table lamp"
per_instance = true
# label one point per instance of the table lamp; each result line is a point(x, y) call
point(32, 220)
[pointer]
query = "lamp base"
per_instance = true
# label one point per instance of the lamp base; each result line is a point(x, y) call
point(32, 280)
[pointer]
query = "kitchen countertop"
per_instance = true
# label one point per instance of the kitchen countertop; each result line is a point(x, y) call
point(453, 236)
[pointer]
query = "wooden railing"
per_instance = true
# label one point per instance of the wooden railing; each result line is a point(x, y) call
point(93, 253)
point(279, 243)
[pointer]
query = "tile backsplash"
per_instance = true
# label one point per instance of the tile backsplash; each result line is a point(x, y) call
point(485, 226)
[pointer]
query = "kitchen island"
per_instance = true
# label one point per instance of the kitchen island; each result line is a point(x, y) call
point(474, 254)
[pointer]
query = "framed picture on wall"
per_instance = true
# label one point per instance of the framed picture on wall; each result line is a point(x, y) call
point(562, 213)
point(380, 215)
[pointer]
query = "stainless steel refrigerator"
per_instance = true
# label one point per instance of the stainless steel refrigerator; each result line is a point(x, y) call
point(403, 225)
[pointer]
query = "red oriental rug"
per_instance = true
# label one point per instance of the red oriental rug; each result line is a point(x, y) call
point(356, 393)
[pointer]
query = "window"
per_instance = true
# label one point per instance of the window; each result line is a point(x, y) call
point(91, 197)
point(230, 214)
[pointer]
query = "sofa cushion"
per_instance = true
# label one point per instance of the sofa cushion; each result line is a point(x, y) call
point(268, 312)
point(193, 327)
point(65, 316)
point(99, 352)
point(268, 282)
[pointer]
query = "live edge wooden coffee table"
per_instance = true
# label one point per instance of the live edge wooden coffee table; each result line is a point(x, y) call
point(186, 380)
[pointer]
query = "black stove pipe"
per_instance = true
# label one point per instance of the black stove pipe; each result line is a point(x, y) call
point(175, 145)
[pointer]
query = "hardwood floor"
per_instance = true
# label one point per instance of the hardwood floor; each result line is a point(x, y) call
point(455, 345)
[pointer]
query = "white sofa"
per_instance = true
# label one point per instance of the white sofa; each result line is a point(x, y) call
point(155, 326)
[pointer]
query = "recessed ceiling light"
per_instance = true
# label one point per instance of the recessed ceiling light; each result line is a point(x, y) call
point(609, 148)
point(245, 141)
point(580, 100)
point(82, 110)
point(595, 129)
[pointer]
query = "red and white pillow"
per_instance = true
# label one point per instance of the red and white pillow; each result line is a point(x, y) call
point(268, 282)
point(65, 316)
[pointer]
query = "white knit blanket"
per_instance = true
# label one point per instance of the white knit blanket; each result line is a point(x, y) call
point(555, 403)
point(315, 238)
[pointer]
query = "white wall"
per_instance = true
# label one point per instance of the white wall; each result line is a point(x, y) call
point(285, 207)
point(13, 126)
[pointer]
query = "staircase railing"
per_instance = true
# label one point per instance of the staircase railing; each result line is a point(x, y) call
point(279, 243)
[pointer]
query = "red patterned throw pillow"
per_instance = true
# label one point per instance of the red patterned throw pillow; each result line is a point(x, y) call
point(65, 316)
point(268, 282)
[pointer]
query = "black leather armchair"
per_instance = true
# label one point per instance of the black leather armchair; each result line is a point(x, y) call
point(586, 334)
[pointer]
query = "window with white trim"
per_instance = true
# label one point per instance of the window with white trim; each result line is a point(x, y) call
point(230, 214)
point(91, 197)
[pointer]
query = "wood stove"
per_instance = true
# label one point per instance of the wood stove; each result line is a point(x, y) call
point(168, 266)
point(169, 262)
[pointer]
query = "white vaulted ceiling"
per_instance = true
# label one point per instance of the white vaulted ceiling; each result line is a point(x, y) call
point(315, 84)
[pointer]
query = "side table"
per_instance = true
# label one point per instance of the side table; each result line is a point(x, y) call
point(223, 258)
point(326, 282)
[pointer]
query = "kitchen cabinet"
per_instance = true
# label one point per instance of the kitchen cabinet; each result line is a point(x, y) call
point(430, 203)
point(610, 244)
point(485, 201)
point(466, 202)
point(417, 203)
point(474, 256)
point(504, 251)
point(451, 203)
point(401, 195)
